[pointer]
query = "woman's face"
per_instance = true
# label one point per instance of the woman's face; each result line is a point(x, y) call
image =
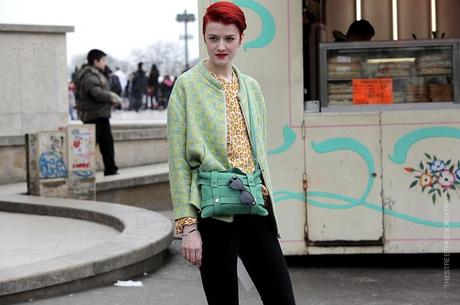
point(222, 42)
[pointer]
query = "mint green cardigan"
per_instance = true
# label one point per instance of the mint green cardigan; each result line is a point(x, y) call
point(197, 133)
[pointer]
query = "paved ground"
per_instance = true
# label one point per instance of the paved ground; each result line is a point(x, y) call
point(146, 116)
point(31, 238)
point(322, 282)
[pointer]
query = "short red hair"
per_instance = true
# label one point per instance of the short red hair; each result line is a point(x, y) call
point(227, 13)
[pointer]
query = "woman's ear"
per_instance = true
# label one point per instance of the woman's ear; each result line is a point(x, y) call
point(241, 38)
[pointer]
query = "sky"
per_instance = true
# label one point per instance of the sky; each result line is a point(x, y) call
point(114, 26)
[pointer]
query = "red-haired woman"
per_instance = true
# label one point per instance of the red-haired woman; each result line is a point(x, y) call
point(209, 130)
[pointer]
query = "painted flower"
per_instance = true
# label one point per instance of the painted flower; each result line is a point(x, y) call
point(426, 180)
point(446, 179)
point(409, 169)
point(457, 174)
point(437, 165)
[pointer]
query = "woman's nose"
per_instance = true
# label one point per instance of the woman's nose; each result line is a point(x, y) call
point(221, 45)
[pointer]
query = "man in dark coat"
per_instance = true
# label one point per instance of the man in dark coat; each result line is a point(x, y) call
point(95, 105)
point(139, 87)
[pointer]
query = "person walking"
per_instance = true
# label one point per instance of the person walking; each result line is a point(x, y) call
point(216, 127)
point(166, 88)
point(139, 87)
point(114, 83)
point(95, 105)
point(121, 77)
point(153, 87)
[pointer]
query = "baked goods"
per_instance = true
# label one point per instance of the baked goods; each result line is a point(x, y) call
point(440, 92)
point(399, 97)
point(395, 69)
point(344, 67)
point(417, 93)
point(340, 93)
point(434, 64)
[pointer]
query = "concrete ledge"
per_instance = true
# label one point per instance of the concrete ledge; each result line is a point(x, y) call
point(143, 186)
point(121, 132)
point(27, 28)
point(141, 246)
point(136, 144)
point(12, 141)
point(142, 175)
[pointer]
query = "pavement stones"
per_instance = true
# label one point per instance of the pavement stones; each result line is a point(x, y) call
point(178, 282)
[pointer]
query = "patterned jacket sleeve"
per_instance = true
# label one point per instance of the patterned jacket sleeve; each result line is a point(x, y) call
point(179, 170)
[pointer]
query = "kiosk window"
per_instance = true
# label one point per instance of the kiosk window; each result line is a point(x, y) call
point(387, 75)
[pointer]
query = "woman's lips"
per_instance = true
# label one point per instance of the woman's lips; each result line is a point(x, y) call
point(221, 56)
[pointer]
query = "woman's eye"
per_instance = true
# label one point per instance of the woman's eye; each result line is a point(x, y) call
point(229, 39)
point(213, 38)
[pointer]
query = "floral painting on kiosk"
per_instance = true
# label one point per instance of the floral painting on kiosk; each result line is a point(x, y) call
point(436, 177)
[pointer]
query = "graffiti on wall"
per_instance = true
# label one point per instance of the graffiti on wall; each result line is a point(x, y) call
point(447, 175)
point(268, 30)
point(82, 151)
point(289, 138)
point(52, 151)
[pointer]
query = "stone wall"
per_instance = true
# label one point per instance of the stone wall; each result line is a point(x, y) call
point(33, 78)
point(135, 145)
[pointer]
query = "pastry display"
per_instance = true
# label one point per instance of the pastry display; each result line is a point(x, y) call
point(340, 93)
point(440, 92)
point(434, 64)
point(417, 94)
point(344, 67)
point(395, 69)
point(417, 74)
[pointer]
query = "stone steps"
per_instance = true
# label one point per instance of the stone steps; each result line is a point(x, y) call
point(141, 246)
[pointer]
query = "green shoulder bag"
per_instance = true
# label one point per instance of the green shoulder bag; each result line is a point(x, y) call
point(233, 192)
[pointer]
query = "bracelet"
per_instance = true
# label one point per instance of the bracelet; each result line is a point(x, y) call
point(191, 231)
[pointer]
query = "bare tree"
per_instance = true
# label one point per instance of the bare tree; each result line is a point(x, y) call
point(168, 56)
point(77, 61)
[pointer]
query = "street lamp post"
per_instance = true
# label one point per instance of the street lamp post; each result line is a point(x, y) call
point(186, 18)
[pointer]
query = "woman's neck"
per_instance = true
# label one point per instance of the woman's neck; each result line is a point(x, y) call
point(223, 71)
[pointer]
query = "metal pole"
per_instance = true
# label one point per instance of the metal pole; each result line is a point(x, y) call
point(186, 41)
point(185, 18)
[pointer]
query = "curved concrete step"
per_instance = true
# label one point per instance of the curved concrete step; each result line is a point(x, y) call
point(140, 247)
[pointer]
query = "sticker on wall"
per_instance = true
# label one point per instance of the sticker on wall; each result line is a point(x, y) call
point(82, 151)
point(435, 177)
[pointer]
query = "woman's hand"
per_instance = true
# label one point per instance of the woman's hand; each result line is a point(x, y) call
point(264, 191)
point(192, 248)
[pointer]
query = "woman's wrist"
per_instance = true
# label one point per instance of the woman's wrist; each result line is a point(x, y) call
point(188, 228)
point(189, 231)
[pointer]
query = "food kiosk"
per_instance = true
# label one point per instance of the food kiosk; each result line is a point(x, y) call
point(373, 166)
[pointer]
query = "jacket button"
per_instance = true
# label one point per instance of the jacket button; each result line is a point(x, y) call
point(217, 200)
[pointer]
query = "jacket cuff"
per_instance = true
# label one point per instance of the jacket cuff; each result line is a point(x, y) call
point(185, 221)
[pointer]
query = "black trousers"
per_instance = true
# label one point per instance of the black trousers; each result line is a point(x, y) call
point(254, 240)
point(105, 140)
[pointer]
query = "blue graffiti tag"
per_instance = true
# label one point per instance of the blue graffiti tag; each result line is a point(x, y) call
point(267, 34)
point(52, 166)
point(284, 195)
point(403, 145)
point(84, 174)
point(289, 138)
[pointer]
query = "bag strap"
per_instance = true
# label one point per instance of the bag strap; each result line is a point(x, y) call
point(252, 135)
